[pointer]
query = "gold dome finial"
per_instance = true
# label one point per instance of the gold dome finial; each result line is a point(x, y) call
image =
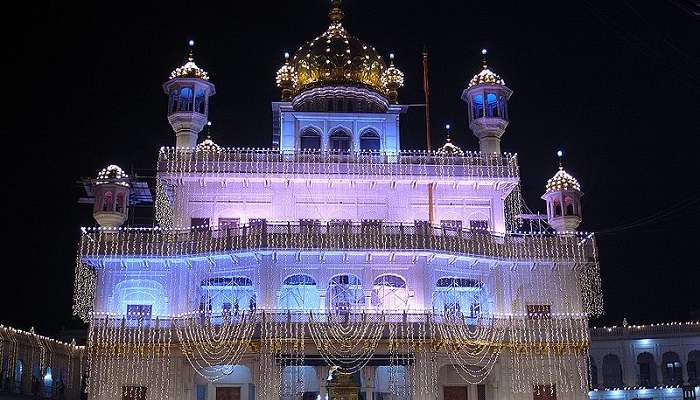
point(336, 13)
point(190, 55)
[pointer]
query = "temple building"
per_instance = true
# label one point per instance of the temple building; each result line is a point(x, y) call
point(336, 264)
point(658, 361)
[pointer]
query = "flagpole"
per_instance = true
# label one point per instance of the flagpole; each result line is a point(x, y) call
point(426, 91)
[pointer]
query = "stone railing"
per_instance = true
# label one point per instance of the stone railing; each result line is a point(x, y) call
point(316, 162)
point(118, 242)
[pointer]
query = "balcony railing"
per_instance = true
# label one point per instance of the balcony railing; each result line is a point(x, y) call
point(636, 331)
point(316, 162)
point(105, 242)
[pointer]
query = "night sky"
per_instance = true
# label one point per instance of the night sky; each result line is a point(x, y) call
point(614, 84)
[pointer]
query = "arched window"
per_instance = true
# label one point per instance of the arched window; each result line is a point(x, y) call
point(228, 294)
point(459, 296)
point(672, 368)
point(200, 102)
point(19, 375)
point(478, 106)
point(310, 139)
point(299, 292)
point(174, 102)
point(345, 293)
point(186, 99)
point(390, 293)
point(592, 373)
point(120, 202)
point(140, 296)
point(647, 369)
point(612, 371)
point(369, 141)
point(569, 205)
point(107, 201)
point(557, 208)
point(48, 382)
point(692, 367)
point(340, 140)
point(492, 109)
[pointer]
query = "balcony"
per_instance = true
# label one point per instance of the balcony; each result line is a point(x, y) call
point(336, 163)
point(161, 243)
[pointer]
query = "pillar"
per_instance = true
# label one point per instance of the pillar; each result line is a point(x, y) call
point(368, 374)
point(322, 374)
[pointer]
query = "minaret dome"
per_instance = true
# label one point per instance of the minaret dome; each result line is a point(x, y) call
point(188, 91)
point(487, 98)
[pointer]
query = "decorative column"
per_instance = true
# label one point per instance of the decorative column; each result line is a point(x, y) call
point(322, 374)
point(368, 374)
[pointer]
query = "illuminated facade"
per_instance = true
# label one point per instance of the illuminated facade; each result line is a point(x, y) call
point(38, 366)
point(659, 361)
point(335, 263)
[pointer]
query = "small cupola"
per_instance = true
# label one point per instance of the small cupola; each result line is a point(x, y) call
point(111, 189)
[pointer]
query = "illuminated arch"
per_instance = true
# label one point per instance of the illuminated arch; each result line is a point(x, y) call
point(310, 138)
point(345, 293)
point(370, 140)
point(227, 294)
point(389, 292)
point(145, 292)
point(460, 296)
point(299, 292)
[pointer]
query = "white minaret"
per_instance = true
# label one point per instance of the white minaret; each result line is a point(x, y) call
point(487, 96)
point(111, 188)
point(563, 197)
point(188, 93)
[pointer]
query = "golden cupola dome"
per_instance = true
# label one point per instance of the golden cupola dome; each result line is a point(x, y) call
point(336, 59)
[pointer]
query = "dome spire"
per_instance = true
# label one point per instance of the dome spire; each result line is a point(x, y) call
point(336, 13)
point(190, 54)
point(483, 58)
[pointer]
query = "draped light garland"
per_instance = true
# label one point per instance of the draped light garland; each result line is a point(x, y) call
point(131, 354)
point(124, 356)
point(573, 252)
point(36, 352)
point(473, 349)
point(211, 347)
point(346, 341)
point(182, 161)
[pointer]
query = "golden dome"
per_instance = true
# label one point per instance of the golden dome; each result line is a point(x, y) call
point(486, 76)
point(190, 69)
point(208, 146)
point(112, 174)
point(337, 58)
point(562, 180)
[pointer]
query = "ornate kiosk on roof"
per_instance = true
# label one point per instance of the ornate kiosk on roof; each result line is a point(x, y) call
point(311, 270)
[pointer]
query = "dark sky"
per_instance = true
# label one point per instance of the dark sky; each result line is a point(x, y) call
point(615, 84)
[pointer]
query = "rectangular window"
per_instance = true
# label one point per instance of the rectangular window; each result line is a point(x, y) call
point(138, 311)
point(422, 227)
point(199, 224)
point(258, 225)
point(310, 226)
point(474, 310)
point(479, 225)
point(230, 224)
point(451, 227)
point(539, 311)
point(544, 392)
point(134, 392)
point(339, 226)
point(371, 225)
